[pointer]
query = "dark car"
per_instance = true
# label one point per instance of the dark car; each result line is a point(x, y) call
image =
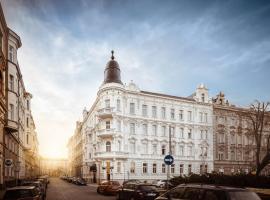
point(80, 181)
point(141, 191)
point(23, 193)
point(38, 185)
point(208, 192)
point(108, 187)
point(132, 181)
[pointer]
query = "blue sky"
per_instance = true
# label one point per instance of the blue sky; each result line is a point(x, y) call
point(163, 46)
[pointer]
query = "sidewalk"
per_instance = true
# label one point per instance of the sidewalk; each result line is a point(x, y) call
point(2, 192)
point(92, 184)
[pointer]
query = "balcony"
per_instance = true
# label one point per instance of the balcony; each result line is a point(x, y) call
point(111, 155)
point(105, 113)
point(11, 126)
point(106, 132)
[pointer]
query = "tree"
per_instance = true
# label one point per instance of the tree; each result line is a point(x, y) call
point(260, 121)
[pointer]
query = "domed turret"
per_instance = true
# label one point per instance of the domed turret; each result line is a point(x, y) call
point(112, 73)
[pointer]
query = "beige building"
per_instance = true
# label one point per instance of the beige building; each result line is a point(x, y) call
point(53, 167)
point(3, 82)
point(234, 146)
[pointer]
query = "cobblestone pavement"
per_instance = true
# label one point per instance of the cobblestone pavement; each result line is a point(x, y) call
point(62, 190)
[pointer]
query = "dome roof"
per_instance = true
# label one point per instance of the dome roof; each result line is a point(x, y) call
point(112, 73)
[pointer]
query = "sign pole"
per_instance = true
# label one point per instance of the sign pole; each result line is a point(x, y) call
point(170, 153)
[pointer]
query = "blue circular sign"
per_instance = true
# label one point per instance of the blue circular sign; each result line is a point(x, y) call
point(168, 160)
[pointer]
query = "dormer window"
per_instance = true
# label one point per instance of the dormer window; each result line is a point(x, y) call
point(203, 97)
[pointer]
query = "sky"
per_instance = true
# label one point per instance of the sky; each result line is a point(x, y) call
point(163, 46)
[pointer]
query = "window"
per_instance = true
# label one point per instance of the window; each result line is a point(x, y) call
point(189, 115)
point(132, 167)
point(190, 151)
point(108, 125)
point(172, 114)
point(144, 126)
point(11, 53)
point(221, 138)
point(201, 116)
point(154, 130)
point(232, 155)
point(11, 111)
point(132, 147)
point(119, 145)
point(132, 108)
point(181, 169)
point(181, 150)
point(232, 138)
point(189, 169)
point(145, 148)
point(144, 110)
point(154, 168)
point(189, 133)
point(27, 139)
point(144, 168)
point(172, 168)
point(108, 146)
point(163, 130)
point(118, 125)
point(205, 117)
point(181, 132)
point(201, 134)
point(220, 155)
point(27, 122)
point(181, 117)
point(163, 112)
point(28, 105)
point(163, 150)
point(172, 132)
point(239, 155)
point(206, 134)
point(11, 82)
point(90, 155)
point(118, 167)
point(154, 111)
point(203, 97)
point(163, 168)
point(107, 103)
point(154, 149)
point(132, 128)
point(118, 106)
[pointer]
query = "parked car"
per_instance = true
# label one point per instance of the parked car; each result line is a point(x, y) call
point(132, 181)
point(141, 191)
point(163, 183)
point(23, 193)
point(73, 180)
point(38, 185)
point(80, 181)
point(208, 192)
point(108, 187)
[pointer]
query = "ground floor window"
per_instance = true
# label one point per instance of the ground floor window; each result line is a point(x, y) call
point(132, 167)
point(181, 169)
point(189, 169)
point(163, 168)
point(154, 168)
point(144, 168)
point(172, 168)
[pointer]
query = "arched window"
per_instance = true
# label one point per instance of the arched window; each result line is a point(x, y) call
point(163, 150)
point(108, 146)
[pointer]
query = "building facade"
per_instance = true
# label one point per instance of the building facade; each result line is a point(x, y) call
point(53, 167)
point(3, 82)
point(126, 133)
point(234, 145)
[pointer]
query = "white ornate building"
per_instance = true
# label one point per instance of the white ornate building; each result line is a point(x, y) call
point(125, 134)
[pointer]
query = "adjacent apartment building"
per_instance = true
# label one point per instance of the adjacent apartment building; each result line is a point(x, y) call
point(125, 134)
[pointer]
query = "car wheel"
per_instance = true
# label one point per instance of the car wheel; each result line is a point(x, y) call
point(98, 191)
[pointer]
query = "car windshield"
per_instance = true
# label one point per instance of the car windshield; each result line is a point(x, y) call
point(243, 195)
point(16, 194)
point(147, 187)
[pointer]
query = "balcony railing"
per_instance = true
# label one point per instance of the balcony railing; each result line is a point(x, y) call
point(105, 132)
point(112, 154)
point(11, 125)
point(105, 112)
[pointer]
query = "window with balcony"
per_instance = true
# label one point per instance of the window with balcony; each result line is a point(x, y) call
point(108, 125)
point(108, 146)
point(144, 110)
point(107, 103)
point(154, 111)
point(132, 167)
point(118, 167)
point(181, 169)
point(144, 168)
point(172, 114)
point(163, 150)
point(132, 108)
point(11, 53)
point(154, 130)
point(163, 169)
point(11, 82)
point(154, 168)
point(132, 128)
point(163, 112)
point(144, 127)
point(220, 156)
point(181, 115)
point(172, 168)
point(118, 105)
point(11, 111)
point(189, 133)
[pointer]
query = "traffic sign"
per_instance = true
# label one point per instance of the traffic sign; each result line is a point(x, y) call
point(168, 160)
point(8, 162)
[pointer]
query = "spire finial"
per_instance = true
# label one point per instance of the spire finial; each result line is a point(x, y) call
point(112, 55)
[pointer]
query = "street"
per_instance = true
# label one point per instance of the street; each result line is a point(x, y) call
point(61, 190)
